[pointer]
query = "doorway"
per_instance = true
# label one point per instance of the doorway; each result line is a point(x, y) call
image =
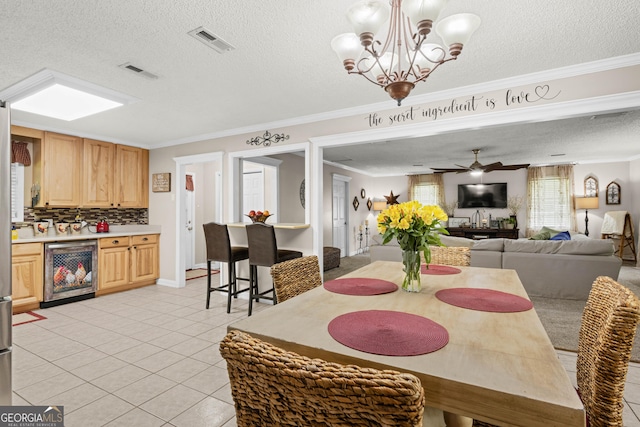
point(340, 213)
point(209, 178)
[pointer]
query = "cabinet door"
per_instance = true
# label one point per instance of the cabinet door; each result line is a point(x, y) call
point(98, 173)
point(131, 181)
point(61, 168)
point(144, 262)
point(27, 274)
point(113, 266)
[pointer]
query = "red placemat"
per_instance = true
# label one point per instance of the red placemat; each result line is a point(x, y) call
point(389, 333)
point(360, 286)
point(484, 300)
point(437, 270)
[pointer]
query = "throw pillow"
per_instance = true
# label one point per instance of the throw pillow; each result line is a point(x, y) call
point(562, 236)
point(550, 230)
point(543, 235)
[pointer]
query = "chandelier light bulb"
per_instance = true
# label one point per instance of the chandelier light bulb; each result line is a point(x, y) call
point(367, 17)
point(423, 13)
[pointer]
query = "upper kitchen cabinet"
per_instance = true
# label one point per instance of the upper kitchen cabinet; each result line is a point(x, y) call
point(132, 177)
point(98, 174)
point(57, 166)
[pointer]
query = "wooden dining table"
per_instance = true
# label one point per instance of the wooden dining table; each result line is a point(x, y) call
point(496, 367)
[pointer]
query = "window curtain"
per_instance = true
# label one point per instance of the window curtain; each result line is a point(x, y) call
point(427, 188)
point(550, 198)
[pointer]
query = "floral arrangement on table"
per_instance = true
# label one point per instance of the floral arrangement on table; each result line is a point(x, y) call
point(259, 216)
point(450, 208)
point(415, 226)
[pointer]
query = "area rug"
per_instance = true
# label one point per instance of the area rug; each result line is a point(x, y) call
point(26, 317)
point(196, 273)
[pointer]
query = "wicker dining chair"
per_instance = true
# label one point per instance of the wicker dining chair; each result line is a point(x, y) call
point(607, 330)
point(609, 323)
point(445, 255)
point(293, 277)
point(274, 387)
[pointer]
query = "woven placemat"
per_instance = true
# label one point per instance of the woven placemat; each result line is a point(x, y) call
point(360, 286)
point(389, 333)
point(436, 270)
point(484, 300)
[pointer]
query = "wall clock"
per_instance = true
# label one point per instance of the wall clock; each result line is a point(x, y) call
point(302, 193)
point(613, 193)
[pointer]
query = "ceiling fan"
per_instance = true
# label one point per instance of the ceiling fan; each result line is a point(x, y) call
point(477, 168)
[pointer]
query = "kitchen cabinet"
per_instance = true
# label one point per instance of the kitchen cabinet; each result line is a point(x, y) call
point(132, 177)
point(27, 276)
point(98, 174)
point(127, 262)
point(57, 167)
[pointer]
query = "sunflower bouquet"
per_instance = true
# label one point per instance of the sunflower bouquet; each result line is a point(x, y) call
point(415, 226)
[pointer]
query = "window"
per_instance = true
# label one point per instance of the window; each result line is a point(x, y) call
point(550, 195)
point(426, 193)
point(427, 189)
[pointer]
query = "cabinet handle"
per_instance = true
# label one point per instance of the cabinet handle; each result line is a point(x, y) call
point(145, 239)
point(115, 242)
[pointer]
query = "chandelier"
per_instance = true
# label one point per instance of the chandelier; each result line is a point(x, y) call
point(404, 58)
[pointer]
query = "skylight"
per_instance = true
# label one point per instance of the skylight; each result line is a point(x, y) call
point(52, 94)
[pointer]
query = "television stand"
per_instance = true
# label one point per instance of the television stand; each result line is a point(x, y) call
point(483, 233)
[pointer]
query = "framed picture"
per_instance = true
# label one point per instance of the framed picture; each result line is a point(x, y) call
point(161, 182)
point(590, 186)
point(457, 221)
point(613, 193)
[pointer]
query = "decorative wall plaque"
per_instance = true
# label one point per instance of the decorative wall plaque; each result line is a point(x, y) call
point(613, 193)
point(267, 139)
point(590, 187)
point(161, 182)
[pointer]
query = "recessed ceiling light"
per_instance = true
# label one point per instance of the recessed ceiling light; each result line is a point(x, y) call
point(52, 94)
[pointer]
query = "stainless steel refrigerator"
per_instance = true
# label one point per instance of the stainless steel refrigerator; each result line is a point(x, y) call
point(5, 256)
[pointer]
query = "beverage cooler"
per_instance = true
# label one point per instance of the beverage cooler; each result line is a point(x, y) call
point(70, 272)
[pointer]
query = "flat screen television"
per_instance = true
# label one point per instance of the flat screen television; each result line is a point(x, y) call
point(482, 195)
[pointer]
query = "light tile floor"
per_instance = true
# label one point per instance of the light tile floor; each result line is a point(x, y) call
point(149, 357)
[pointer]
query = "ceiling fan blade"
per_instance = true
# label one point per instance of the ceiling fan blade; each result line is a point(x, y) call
point(492, 166)
point(463, 167)
point(445, 170)
point(513, 167)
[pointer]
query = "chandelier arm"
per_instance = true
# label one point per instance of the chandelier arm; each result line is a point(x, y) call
point(424, 77)
point(376, 61)
point(366, 77)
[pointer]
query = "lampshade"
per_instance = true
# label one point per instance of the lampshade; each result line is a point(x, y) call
point(586, 203)
point(368, 16)
point(423, 10)
point(347, 46)
point(458, 28)
point(379, 206)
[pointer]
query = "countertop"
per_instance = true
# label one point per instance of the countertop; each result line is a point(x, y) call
point(26, 234)
point(277, 225)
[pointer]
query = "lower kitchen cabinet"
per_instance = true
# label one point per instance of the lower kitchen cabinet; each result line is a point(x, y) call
point(27, 276)
point(127, 262)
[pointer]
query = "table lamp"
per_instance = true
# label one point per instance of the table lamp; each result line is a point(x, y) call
point(379, 206)
point(586, 203)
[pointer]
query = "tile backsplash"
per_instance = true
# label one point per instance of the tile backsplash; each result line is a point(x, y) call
point(116, 216)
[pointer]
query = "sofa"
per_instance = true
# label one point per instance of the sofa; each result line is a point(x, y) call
point(563, 269)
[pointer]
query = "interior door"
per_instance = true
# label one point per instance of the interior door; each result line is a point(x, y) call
point(339, 214)
point(252, 192)
point(190, 237)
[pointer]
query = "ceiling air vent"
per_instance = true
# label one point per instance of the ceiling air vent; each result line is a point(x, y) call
point(211, 40)
point(139, 71)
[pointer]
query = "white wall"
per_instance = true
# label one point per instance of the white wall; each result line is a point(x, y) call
point(606, 173)
point(516, 186)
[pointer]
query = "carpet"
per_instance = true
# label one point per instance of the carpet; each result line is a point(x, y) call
point(560, 318)
point(196, 273)
point(26, 317)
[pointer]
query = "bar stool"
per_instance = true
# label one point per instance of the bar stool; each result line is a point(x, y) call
point(264, 252)
point(219, 249)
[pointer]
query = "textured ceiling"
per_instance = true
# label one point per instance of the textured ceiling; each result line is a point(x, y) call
point(283, 67)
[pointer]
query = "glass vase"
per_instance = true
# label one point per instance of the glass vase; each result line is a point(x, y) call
point(411, 262)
